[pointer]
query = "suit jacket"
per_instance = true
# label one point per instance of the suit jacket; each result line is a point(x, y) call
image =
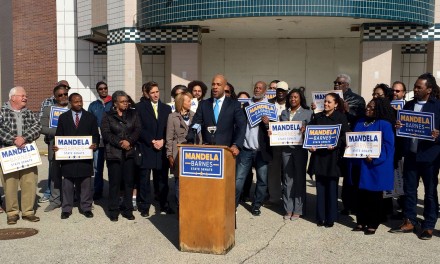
point(153, 129)
point(231, 125)
point(427, 151)
point(88, 126)
point(301, 115)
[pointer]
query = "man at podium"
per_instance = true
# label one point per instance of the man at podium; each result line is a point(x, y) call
point(220, 118)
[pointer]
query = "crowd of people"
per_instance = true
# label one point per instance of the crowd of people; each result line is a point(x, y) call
point(136, 140)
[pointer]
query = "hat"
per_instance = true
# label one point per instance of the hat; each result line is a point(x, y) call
point(62, 83)
point(283, 85)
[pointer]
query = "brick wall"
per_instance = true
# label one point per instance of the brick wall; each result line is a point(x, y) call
point(35, 48)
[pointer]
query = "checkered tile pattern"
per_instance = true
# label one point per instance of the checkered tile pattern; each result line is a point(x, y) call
point(400, 32)
point(153, 50)
point(414, 49)
point(100, 49)
point(155, 35)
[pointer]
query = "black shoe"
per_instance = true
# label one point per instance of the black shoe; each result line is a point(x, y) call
point(65, 215)
point(97, 196)
point(128, 215)
point(358, 228)
point(145, 213)
point(255, 211)
point(329, 225)
point(426, 234)
point(320, 223)
point(370, 231)
point(114, 218)
point(88, 214)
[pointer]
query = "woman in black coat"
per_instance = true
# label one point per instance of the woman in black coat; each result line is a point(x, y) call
point(120, 129)
point(324, 163)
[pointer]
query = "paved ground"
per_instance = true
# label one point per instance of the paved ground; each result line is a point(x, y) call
point(263, 239)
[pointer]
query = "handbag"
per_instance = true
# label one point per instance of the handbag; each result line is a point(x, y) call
point(137, 156)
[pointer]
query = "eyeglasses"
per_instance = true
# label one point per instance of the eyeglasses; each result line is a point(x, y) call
point(338, 83)
point(20, 95)
point(397, 91)
point(63, 94)
point(123, 102)
point(102, 88)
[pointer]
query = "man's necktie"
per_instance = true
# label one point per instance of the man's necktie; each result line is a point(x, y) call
point(155, 109)
point(216, 109)
point(76, 120)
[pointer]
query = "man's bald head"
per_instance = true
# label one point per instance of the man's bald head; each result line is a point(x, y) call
point(218, 86)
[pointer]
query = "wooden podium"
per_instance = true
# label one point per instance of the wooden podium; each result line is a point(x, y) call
point(206, 199)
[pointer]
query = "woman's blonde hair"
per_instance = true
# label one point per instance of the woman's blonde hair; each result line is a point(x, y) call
point(178, 101)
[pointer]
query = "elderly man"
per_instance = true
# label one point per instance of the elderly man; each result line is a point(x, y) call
point(19, 126)
point(399, 90)
point(256, 148)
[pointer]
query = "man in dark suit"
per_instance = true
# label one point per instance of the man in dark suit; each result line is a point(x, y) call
point(77, 122)
point(222, 113)
point(154, 117)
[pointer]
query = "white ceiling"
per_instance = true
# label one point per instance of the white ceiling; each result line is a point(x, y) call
point(280, 27)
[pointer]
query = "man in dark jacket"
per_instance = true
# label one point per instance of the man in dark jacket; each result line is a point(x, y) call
point(422, 158)
point(77, 122)
point(154, 117)
point(255, 148)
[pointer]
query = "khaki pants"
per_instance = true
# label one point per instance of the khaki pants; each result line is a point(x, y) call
point(27, 180)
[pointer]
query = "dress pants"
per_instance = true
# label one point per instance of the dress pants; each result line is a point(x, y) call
point(412, 171)
point(98, 166)
point(326, 199)
point(120, 172)
point(86, 197)
point(274, 178)
point(144, 196)
point(55, 182)
point(294, 180)
point(27, 180)
point(369, 208)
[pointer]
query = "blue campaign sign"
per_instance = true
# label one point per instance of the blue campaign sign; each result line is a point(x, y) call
point(398, 104)
point(255, 111)
point(55, 113)
point(271, 94)
point(201, 162)
point(321, 136)
point(244, 100)
point(416, 124)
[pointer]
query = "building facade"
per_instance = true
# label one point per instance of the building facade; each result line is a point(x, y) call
point(306, 43)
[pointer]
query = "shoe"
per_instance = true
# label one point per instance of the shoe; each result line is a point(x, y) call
point(12, 220)
point(114, 218)
point(51, 207)
point(369, 231)
point(345, 212)
point(294, 217)
point(65, 215)
point(255, 211)
point(426, 234)
point(167, 210)
point(88, 214)
point(145, 214)
point(320, 223)
point(97, 196)
point(30, 218)
point(358, 228)
point(44, 199)
point(287, 216)
point(129, 216)
point(329, 225)
point(405, 227)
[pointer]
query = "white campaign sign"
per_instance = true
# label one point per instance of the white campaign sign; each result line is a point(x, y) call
point(15, 159)
point(286, 133)
point(73, 148)
point(363, 144)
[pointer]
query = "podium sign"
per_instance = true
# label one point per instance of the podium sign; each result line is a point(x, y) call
point(206, 199)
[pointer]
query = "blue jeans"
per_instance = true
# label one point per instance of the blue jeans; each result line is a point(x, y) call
point(412, 171)
point(244, 164)
point(98, 166)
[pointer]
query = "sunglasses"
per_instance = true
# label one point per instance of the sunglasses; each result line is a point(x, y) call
point(63, 94)
point(102, 88)
point(338, 83)
point(397, 91)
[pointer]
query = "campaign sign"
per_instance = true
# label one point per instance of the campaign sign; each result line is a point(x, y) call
point(317, 136)
point(318, 98)
point(244, 100)
point(15, 159)
point(270, 94)
point(201, 162)
point(73, 148)
point(363, 144)
point(256, 111)
point(285, 133)
point(398, 104)
point(416, 124)
point(55, 113)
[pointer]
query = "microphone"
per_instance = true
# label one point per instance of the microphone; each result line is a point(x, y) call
point(196, 128)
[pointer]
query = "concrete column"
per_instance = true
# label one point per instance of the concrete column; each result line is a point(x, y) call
point(376, 66)
point(124, 70)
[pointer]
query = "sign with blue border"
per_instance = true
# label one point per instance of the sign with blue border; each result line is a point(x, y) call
point(15, 159)
point(270, 94)
point(319, 96)
point(363, 144)
point(73, 147)
point(321, 136)
point(416, 124)
point(55, 113)
point(201, 162)
point(398, 104)
point(256, 111)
